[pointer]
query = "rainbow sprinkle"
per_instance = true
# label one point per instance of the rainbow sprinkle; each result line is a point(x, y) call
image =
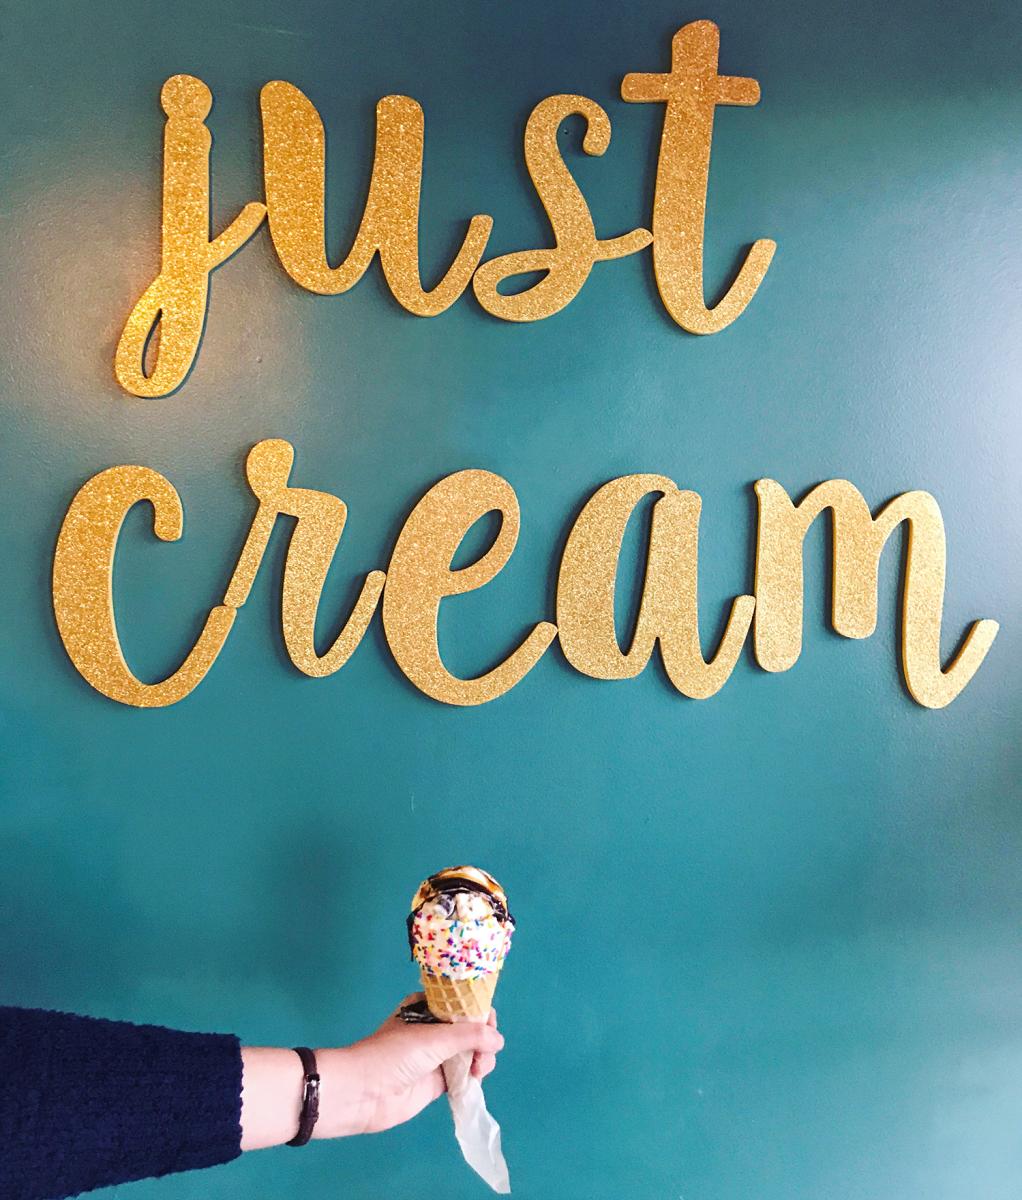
point(463, 949)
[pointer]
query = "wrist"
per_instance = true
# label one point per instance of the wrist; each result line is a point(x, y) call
point(271, 1096)
point(341, 1099)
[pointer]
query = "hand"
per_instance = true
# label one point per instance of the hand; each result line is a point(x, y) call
point(394, 1073)
point(379, 1082)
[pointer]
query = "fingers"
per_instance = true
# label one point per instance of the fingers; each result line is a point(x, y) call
point(445, 1041)
point(483, 1064)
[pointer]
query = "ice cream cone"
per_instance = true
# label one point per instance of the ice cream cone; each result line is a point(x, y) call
point(459, 932)
point(459, 999)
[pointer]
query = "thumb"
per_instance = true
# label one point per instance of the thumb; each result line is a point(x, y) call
point(445, 1041)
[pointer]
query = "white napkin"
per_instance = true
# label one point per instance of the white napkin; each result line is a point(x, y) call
point(477, 1132)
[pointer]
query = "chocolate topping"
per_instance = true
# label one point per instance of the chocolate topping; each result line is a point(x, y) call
point(454, 880)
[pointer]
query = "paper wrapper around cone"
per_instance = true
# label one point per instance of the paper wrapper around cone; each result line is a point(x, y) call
point(454, 1000)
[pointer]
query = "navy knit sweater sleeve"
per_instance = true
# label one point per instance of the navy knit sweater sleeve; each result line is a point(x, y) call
point(85, 1102)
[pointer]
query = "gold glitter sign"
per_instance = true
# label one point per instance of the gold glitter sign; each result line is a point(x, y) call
point(420, 576)
point(294, 169)
point(161, 340)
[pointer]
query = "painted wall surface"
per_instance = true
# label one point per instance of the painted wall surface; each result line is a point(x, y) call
point(768, 942)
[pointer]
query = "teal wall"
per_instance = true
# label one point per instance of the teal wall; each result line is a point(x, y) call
point(768, 942)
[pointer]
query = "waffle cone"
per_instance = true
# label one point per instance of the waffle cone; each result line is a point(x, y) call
point(459, 999)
